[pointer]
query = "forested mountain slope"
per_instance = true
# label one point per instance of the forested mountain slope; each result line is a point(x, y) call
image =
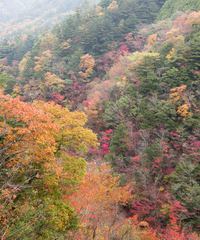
point(95, 31)
point(133, 80)
point(172, 7)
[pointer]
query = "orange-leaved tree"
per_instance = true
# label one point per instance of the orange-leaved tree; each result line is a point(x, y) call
point(98, 201)
point(42, 150)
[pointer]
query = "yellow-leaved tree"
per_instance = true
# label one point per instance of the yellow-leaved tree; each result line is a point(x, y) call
point(87, 65)
point(179, 97)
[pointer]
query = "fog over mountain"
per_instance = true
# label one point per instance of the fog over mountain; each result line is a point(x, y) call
point(20, 9)
point(29, 16)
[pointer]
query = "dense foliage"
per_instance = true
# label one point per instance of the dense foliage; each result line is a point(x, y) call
point(137, 81)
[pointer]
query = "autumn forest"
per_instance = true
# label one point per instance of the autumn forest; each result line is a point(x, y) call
point(100, 120)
